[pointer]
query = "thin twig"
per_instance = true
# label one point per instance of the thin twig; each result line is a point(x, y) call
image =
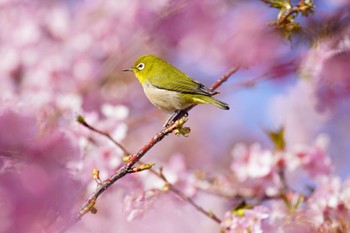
point(223, 78)
point(82, 121)
point(283, 19)
point(188, 199)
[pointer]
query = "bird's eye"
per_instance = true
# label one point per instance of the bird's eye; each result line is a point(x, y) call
point(140, 66)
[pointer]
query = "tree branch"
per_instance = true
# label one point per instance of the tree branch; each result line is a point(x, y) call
point(170, 186)
point(89, 204)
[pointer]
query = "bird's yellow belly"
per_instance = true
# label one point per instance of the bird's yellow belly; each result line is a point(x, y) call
point(168, 101)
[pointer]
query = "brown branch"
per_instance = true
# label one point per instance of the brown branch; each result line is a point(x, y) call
point(283, 19)
point(301, 7)
point(223, 78)
point(158, 174)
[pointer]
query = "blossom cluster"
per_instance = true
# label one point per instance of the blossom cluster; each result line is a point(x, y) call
point(299, 191)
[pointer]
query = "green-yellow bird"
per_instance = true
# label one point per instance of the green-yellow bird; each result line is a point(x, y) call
point(168, 88)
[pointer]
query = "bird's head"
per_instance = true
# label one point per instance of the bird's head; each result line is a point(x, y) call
point(144, 67)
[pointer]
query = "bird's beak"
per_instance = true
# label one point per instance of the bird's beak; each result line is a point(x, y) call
point(129, 69)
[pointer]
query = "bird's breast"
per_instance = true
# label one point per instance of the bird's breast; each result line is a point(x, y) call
point(168, 101)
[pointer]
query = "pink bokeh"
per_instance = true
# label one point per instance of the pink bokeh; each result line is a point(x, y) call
point(61, 59)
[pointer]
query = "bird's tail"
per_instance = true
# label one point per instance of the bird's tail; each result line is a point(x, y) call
point(202, 99)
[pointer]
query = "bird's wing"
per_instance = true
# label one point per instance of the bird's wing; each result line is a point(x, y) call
point(184, 84)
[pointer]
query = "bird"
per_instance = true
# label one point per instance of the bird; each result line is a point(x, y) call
point(168, 88)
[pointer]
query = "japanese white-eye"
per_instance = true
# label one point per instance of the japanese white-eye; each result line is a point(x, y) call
point(168, 88)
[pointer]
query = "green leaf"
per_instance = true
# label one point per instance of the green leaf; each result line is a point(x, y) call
point(277, 137)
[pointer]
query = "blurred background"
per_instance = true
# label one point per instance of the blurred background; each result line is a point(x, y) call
point(61, 58)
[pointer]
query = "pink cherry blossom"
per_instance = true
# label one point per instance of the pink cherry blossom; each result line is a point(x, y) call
point(250, 221)
point(256, 170)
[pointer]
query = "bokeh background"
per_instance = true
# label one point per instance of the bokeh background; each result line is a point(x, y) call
point(61, 58)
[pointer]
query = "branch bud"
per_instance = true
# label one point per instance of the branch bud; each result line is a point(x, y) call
point(142, 167)
point(96, 175)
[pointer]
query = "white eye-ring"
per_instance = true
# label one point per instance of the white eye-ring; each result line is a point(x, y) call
point(140, 66)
